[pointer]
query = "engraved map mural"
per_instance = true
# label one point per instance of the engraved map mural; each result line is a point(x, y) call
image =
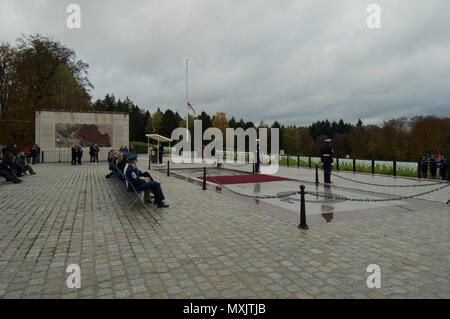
point(84, 135)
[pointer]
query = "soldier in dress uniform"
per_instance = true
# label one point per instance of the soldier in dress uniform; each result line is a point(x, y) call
point(433, 166)
point(144, 184)
point(443, 168)
point(423, 165)
point(326, 157)
point(258, 160)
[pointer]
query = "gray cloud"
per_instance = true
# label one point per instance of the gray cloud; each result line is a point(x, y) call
point(294, 61)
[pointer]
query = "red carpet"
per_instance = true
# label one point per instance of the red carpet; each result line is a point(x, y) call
point(242, 179)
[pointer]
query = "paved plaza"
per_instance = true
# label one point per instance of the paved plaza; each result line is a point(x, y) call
point(210, 244)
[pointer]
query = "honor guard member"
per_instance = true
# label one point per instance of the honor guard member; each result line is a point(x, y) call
point(443, 168)
point(423, 165)
point(326, 157)
point(433, 166)
point(258, 160)
point(144, 184)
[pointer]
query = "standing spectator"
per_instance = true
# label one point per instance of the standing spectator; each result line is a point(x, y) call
point(428, 163)
point(92, 153)
point(447, 167)
point(96, 151)
point(125, 150)
point(423, 166)
point(443, 168)
point(161, 153)
point(433, 166)
point(79, 154)
point(14, 150)
point(38, 154)
point(74, 150)
point(132, 149)
point(28, 154)
point(33, 154)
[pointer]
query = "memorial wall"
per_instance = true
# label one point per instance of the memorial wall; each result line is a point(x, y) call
point(56, 130)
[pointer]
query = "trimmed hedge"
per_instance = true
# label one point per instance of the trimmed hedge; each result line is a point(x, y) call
point(139, 147)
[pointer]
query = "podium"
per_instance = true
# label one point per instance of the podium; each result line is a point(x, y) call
point(154, 155)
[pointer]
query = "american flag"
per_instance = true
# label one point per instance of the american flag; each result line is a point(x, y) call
point(190, 107)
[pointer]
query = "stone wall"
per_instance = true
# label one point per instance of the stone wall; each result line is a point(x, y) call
point(114, 125)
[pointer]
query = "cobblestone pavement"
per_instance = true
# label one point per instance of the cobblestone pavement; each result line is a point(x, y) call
point(205, 245)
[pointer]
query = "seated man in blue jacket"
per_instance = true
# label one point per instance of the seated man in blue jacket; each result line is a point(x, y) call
point(143, 182)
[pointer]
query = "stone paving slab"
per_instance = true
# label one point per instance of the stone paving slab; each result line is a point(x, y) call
point(205, 245)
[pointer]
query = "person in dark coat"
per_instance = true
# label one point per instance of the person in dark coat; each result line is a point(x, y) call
point(443, 168)
point(92, 154)
point(20, 160)
point(33, 154)
point(96, 151)
point(10, 161)
point(38, 154)
point(433, 166)
point(6, 171)
point(161, 153)
point(74, 151)
point(423, 166)
point(79, 154)
point(326, 157)
point(258, 160)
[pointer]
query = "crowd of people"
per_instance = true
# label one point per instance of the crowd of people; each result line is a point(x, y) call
point(77, 154)
point(127, 150)
point(14, 164)
point(94, 150)
point(432, 166)
point(140, 181)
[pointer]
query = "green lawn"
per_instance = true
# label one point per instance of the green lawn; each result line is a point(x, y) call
point(379, 168)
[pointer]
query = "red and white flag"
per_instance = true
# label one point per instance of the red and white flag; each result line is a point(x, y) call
point(190, 107)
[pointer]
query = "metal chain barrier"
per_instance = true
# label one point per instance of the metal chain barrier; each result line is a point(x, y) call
point(328, 195)
point(344, 198)
point(384, 185)
point(158, 166)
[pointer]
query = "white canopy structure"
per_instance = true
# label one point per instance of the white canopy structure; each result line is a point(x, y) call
point(156, 137)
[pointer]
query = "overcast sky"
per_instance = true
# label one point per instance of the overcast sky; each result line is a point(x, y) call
point(296, 61)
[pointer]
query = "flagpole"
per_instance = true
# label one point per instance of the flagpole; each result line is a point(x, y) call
point(187, 101)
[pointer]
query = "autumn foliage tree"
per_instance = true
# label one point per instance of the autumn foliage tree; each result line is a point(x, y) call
point(38, 73)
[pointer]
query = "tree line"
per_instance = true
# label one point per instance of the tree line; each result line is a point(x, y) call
point(397, 139)
point(41, 73)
